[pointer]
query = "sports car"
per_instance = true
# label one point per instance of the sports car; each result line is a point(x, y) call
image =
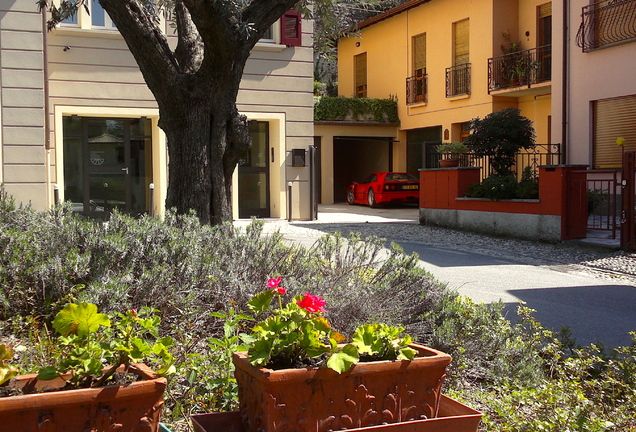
point(384, 188)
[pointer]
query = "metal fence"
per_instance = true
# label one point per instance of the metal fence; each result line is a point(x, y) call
point(540, 154)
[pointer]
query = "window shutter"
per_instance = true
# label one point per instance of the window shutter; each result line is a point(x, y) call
point(290, 31)
point(545, 10)
point(461, 30)
point(419, 54)
point(613, 118)
point(361, 74)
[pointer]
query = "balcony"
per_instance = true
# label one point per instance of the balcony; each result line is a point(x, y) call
point(458, 80)
point(521, 69)
point(417, 89)
point(607, 23)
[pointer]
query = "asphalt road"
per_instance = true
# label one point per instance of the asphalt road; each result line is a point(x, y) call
point(595, 308)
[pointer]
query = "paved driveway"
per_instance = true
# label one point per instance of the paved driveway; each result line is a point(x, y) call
point(560, 281)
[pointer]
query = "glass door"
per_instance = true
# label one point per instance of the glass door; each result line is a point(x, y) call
point(253, 174)
point(107, 165)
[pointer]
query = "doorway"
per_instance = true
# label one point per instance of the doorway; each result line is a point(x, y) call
point(253, 174)
point(107, 165)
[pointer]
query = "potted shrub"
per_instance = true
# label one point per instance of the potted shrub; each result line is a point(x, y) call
point(97, 381)
point(299, 374)
point(452, 153)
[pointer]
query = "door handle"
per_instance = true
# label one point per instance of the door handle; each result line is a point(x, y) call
point(125, 170)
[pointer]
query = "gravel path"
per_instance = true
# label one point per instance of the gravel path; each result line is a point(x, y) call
point(597, 262)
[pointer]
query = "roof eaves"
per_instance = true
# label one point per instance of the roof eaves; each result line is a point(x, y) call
point(390, 13)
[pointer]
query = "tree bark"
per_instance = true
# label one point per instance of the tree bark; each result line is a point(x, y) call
point(196, 89)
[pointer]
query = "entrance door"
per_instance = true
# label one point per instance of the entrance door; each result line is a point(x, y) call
point(253, 174)
point(107, 165)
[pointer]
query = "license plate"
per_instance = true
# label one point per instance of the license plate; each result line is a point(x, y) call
point(409, 187)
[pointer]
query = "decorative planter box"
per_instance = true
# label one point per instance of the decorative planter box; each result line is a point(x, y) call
point(320, 399)
point(453, 417)
point(132, 408)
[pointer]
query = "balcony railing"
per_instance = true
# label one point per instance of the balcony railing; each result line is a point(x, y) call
point(417, 89)
point(606, 23)
point(522, 68)
point(458, 80)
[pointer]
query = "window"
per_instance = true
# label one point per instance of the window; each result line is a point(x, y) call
point(360, 64)
point(458, 76)
point(544, 42)
point(461, 53)
point(416, 85)
point(613, 118)
point(99, 17)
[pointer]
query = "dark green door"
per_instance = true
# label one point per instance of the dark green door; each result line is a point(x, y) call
point(107, 165)
point(253, 174)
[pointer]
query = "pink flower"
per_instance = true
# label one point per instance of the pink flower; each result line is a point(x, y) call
point(274, 282)
point(312, 303)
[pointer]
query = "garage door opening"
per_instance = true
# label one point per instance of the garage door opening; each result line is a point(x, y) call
point(354, 158)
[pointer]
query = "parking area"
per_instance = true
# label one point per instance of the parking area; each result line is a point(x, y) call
point(345, 213)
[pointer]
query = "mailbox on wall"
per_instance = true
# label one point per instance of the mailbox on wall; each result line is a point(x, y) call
point(298, 157)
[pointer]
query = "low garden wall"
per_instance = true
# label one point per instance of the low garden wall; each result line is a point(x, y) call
point(443, 203)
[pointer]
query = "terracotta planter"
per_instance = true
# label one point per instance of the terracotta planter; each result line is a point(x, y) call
point(453, 417)
point(132, 408)
point(448, 163)
point(319, 399)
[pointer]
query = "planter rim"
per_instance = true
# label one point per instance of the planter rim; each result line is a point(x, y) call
point(63, 397)
point(427, 357)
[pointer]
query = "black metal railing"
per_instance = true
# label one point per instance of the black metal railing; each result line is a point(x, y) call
point(606, 23)
point(521, 68)
point(417, 89)
point(458, 80)
point(540, 154)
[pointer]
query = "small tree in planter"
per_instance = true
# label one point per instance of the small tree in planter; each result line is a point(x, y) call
point(500, 136)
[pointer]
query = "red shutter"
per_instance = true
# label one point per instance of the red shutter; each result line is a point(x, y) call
point(290, 31)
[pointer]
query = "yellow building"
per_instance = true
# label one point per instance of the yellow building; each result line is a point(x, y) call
point(446, 62)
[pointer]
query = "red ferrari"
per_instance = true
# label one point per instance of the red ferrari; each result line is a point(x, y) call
point(385, 187)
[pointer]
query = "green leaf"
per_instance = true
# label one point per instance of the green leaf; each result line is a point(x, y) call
point(343, 359)
point(406, 354)
point(260, 302)
point(79, 319)
point(48, 373)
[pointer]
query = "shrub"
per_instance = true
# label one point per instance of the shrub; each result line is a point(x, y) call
point(500, 135)
point(494, 187)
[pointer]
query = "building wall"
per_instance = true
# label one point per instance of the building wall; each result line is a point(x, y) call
point(23, 152)
point(92, 73)
point(389, 59)
point(599, 74)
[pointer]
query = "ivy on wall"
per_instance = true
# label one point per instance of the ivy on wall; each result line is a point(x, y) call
point(329, 108)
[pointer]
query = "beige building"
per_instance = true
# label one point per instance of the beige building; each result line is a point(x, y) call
point(76, 113)
point(598, 104)
point(446, 62)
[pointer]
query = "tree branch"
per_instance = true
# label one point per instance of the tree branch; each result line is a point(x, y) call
point(145, 40)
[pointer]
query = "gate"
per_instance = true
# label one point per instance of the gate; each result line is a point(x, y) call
point(598, 192)
point(628, 212)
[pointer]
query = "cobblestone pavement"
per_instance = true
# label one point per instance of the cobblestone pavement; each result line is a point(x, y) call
point(401, 224)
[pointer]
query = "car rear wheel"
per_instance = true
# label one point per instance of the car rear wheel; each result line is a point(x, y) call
point(350, 198)
point(371, 199)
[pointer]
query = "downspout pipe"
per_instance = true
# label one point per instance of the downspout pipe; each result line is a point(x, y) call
point(564, 85)
point(47, 121)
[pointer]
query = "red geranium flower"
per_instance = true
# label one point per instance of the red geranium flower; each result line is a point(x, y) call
point(281, 290)
point(274, 282)
point(312, 303)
